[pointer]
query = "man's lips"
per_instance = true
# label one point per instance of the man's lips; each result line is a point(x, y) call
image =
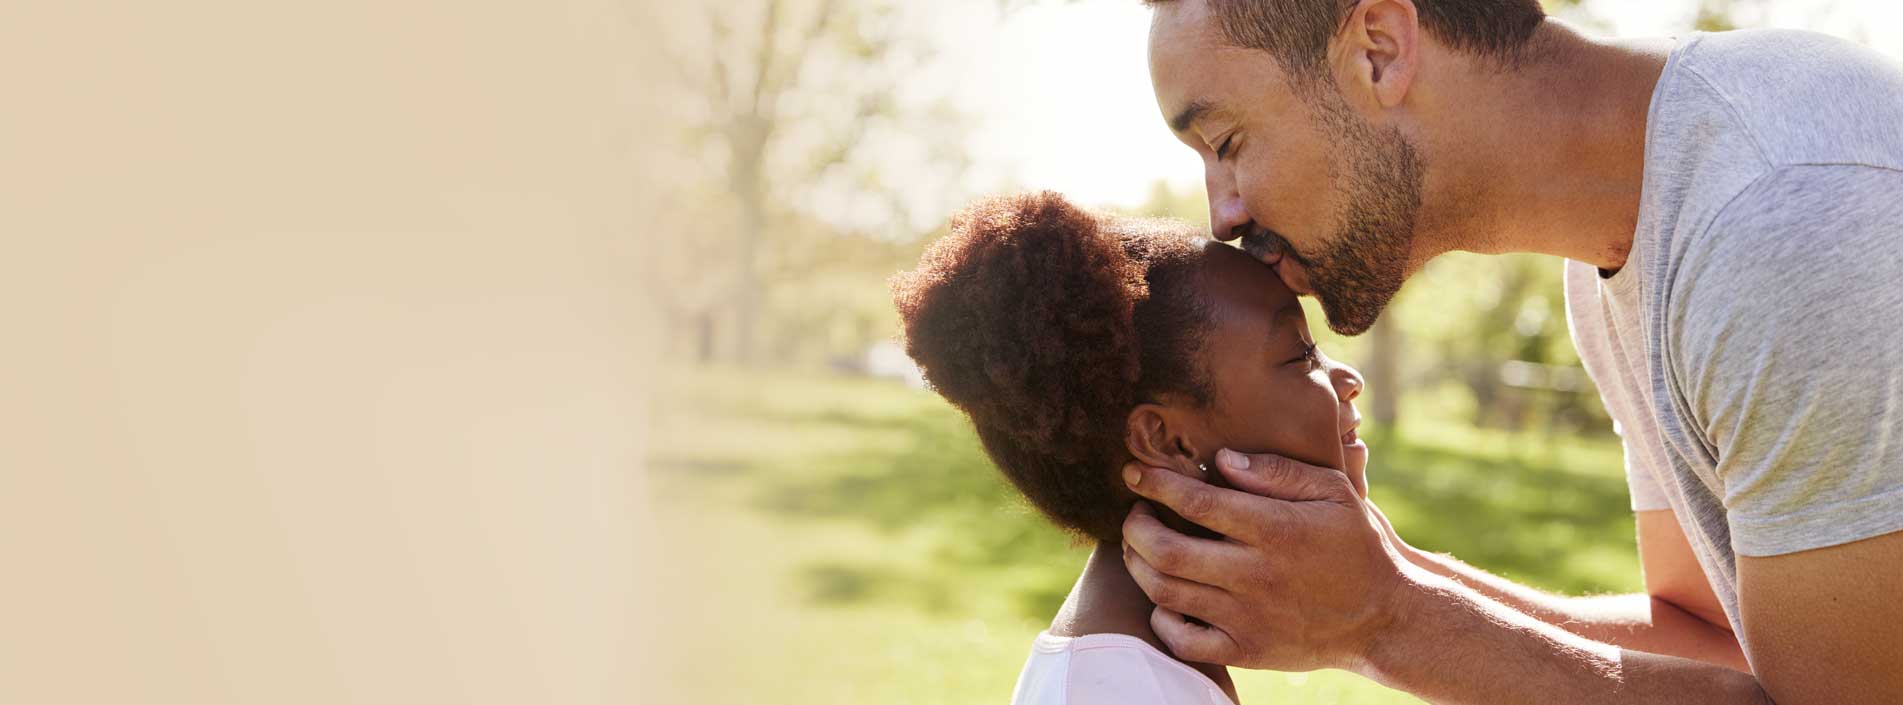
point(1263, 246)
point(1272, 250)
point(1350, 437)
point(1294, 276)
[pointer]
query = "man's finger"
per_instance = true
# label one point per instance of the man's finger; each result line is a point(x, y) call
point(1177, 554)
point(1272, 475)
point(1189, 641)
point(1221, 510)
point(1170, 591)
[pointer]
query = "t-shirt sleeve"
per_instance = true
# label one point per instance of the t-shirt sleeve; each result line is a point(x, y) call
point(1788, 353)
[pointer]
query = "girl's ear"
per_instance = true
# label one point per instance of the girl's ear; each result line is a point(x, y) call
point(1159, 436)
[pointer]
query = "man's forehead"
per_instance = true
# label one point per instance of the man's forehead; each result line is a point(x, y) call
point(1181, 43)
point(1176, 14)
point(1180, 29)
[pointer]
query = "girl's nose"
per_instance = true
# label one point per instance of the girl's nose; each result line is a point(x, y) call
point(1348, 382)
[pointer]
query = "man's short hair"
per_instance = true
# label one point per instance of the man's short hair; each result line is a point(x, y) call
point(1297, 32)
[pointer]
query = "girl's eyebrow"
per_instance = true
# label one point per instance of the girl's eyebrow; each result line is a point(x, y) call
point(1277, 318)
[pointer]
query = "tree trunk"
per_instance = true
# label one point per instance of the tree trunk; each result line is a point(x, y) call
point(1384, 371)
point(748, 140)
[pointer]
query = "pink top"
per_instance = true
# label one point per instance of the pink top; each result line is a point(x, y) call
point(1109, 669)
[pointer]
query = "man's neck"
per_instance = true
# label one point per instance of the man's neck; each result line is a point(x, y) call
point(1548, 157)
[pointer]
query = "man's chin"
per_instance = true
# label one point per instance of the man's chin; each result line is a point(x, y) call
point(1353, 313)
point(1348, 322)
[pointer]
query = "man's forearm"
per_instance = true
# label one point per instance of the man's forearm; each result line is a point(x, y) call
point(1453, 645)
point(1635, 621)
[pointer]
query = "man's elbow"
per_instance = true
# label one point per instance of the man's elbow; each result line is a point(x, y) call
point(1688, 603)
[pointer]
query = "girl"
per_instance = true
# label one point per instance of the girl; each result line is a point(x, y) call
point(1077, 342)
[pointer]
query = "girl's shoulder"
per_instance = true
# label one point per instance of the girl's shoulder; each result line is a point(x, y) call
point(1095, 669)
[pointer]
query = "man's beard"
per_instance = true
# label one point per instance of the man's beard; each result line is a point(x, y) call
point(1378, 182)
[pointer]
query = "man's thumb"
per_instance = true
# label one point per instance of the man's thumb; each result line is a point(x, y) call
point(1289, 480)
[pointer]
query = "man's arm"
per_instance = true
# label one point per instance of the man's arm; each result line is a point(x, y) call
point(1678, 615)
point(1822, 626)
point(1305, 579)
point(1454, 645)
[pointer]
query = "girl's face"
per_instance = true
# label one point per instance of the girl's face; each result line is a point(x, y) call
point(1273, 391)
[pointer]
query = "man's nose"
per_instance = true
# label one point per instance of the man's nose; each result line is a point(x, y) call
point(1228, 217)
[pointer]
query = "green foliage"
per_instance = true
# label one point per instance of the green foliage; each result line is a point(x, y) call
point(1465, 316)
point(843, 540)
point(1721, 15)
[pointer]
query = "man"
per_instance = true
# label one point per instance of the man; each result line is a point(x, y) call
point(1730, 204)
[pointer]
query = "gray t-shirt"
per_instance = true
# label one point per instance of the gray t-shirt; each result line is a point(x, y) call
point(1751, 349)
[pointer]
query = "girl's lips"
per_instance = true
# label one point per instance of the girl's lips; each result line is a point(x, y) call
point(1350, 438)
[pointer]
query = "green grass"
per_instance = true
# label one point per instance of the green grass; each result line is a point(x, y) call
point(838, 540)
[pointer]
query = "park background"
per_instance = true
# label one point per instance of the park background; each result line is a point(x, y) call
point(826, 531)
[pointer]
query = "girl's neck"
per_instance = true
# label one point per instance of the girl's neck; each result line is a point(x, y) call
point(1106, 600)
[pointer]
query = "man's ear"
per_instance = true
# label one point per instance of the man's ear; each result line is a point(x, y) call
point(1379, 52)
point(1158, 436)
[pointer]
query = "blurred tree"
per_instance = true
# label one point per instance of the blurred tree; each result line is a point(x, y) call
point(1720, 15)
point(1383, 373)
point(1190, 205)
point(790, 100)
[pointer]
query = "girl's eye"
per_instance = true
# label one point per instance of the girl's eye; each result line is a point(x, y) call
point(1222, 150)
point(1312, 353)
point(1308, 354)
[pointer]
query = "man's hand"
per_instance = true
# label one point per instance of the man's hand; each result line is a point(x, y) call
point(1304, 580)
point(1308, 575)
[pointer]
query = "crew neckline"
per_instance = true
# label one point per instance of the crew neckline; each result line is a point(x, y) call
point(1622, 281)
point(1048, 643)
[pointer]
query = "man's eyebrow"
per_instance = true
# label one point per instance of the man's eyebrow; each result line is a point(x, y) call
point(1190, 114)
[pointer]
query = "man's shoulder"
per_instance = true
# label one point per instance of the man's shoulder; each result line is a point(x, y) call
point(1804, 259)
point(1769, 45)
point(1803, 97)
point(1741, 59)
point(1800, 220)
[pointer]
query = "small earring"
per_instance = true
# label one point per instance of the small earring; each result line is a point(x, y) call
point(1204, 468)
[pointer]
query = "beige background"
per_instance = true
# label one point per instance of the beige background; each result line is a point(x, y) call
point(321, 352)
